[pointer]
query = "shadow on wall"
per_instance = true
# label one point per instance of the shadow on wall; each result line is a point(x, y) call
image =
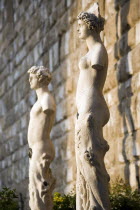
point(124, 78)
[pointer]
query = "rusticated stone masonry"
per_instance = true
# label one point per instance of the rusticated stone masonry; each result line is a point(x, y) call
point(44, 32)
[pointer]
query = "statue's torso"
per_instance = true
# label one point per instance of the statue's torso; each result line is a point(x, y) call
point(39, 129)
point(89, 97)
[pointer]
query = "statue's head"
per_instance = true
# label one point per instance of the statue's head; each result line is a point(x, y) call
point(39, 76)
point(90, 21)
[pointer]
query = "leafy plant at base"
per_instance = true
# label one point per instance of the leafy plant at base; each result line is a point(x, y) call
point(64, 202)
point(122, 197)
point(8, 199)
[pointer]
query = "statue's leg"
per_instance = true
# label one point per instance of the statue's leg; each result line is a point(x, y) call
point(86, 198)
point(78, 192)
point(93, 161)
point(90, 150)
point(33, 191)
point(82, 201)
point(41, 183)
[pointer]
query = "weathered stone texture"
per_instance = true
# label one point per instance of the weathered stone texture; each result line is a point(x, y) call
point(122, 130)
point(45, 33)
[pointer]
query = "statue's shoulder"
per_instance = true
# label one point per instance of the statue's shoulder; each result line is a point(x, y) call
point(98, 56)
point(101, 51)
point(48, 102)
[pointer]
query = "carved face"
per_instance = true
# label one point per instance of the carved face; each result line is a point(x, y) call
point(33, 80)
point(83, 30)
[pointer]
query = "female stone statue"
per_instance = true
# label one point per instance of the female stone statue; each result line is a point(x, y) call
point(41, 150)
point(92, 115)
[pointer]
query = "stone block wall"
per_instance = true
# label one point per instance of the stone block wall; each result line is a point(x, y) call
point(44, 32)
point(122, 89)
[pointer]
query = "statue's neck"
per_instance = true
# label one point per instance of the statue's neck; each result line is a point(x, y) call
point(40, 91)
point(93, 40)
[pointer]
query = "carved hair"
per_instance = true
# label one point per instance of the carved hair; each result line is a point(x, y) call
point(43, 75)
point(93, 22)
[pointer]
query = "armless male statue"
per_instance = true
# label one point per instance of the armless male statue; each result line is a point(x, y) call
point(92, 115)
point(41, 150)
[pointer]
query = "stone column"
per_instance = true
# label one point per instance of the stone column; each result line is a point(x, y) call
point(92, 115)
point(41, 150)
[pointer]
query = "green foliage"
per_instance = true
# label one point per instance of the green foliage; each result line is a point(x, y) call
point(64, 202)
point(8, 199)
point(122, 197)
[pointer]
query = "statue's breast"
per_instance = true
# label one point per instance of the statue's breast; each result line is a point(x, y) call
point(84, 63)
point(36, 109)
